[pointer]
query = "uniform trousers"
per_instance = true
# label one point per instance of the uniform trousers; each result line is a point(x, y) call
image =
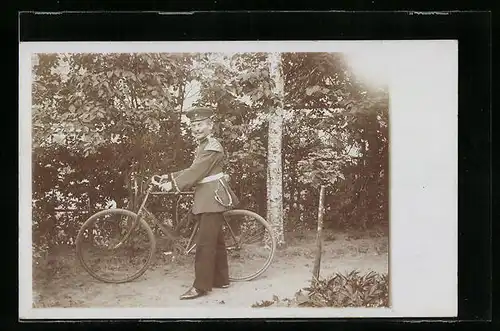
point(211, 266)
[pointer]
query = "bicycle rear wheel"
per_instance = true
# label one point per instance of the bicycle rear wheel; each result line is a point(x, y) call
point(115, 246)
point(250, 244)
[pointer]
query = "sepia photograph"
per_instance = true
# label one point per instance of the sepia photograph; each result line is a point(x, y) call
point(211, 179)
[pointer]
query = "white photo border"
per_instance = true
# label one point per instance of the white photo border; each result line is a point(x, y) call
point(423, 256)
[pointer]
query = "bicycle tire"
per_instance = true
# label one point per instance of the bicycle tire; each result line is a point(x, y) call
point(236, 212)
point(90, 221)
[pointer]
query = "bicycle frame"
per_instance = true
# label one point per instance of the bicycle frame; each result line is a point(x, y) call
point(170, 232)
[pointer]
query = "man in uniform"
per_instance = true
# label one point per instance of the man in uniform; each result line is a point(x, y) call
point(212, 197)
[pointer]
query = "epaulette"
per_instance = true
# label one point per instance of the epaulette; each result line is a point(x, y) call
point(213, 145)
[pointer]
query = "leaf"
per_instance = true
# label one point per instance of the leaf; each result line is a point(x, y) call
point(301, 297)
point(259, 95)
point(312, 89)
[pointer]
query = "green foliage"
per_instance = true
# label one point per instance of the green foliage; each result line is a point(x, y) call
point(97, 120)
point(350, 290)
point(341, 291)
point(100, 120)
point(337, 136)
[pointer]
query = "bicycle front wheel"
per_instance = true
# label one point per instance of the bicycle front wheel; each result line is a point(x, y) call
point(250, 244)
point(115, 246)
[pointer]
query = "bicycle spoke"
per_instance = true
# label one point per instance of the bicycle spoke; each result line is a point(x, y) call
point(248, 253)
point(115, 246)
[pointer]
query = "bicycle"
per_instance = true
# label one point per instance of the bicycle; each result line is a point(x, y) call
point(97, 238)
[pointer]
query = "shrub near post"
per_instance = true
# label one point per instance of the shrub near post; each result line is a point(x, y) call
point(319, 241)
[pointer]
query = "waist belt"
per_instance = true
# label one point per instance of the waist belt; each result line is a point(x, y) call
point(211, 178)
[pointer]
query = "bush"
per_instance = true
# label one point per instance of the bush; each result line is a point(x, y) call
point(339, 290)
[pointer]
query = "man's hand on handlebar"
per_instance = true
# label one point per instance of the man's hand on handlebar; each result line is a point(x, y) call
point(164, 186)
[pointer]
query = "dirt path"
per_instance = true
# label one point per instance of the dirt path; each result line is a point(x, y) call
point(162, 284)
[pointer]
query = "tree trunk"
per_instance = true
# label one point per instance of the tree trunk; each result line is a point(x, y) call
point(296, 206)
point(128, 187)
point(274, 159)
point(178, 124)
point(319, 238)
point(294, 196)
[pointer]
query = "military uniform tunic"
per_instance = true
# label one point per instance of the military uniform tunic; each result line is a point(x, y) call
point(209, 160)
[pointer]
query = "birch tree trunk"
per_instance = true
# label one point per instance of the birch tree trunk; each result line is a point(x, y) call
point(319, 237)
point(274, 157)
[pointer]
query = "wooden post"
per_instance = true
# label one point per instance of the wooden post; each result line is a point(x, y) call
point(319, 240)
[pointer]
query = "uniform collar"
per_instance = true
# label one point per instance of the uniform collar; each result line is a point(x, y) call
point(204, 140)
